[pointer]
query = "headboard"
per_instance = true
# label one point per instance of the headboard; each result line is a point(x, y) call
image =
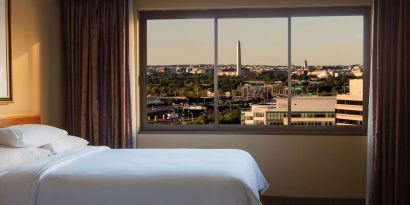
point(19, 120)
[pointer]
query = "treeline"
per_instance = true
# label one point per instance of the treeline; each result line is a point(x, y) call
point(195, 86)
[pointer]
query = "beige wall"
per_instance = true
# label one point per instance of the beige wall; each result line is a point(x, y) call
point(295, 166)
point(36, 61)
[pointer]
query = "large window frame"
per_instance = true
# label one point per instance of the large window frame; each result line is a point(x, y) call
point(215, 14)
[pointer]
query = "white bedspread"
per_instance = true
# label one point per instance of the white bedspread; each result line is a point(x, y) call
point(101, 176)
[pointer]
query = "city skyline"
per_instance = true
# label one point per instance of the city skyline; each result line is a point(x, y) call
point(296, 65)
point(176, 42)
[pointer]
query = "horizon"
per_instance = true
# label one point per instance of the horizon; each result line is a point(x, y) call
point(250, 65)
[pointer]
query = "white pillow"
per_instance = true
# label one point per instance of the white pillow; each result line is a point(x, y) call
point(29, 135)
point(65, 143)
point(11, 157)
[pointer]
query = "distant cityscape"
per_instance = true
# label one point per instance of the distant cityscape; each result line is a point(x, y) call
point(322, 95)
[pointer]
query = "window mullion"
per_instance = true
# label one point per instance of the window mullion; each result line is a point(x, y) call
point(216, 89)
point(289, 70)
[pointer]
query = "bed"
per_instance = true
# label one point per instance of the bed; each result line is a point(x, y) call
point(99, 175)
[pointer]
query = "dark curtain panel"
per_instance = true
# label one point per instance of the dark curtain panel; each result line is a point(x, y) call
point(96, 55)
point(391, 100)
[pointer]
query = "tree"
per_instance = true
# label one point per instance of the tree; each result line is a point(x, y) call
point(230, 117)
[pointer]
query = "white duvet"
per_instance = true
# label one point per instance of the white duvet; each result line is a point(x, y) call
point(101, 176)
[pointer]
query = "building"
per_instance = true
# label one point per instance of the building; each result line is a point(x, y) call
point(305, 65)
point(229, 70)
point(349, 107)
point(357, 71)
point(316, 111)
point(320, 74)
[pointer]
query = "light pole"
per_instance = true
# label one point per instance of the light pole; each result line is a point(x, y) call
point(192, 115)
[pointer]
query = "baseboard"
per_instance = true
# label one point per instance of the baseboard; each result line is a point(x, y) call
point(275, 200)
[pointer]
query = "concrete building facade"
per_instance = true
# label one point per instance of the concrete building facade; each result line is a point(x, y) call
point(306, 111)
point(349, 107)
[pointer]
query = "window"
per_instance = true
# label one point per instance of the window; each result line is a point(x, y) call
point(251, 63)
point(327, 65)
point(349, 102)
point(179, 72)
point(259, 114)
point(258, 70)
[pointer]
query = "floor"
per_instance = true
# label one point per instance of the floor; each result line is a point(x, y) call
point(310, 201)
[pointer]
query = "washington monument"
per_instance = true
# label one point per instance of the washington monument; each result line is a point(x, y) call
point(238, 60)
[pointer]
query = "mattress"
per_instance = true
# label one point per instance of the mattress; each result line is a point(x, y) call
point(103, 176)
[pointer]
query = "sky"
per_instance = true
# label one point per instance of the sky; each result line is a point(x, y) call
point(264, 41)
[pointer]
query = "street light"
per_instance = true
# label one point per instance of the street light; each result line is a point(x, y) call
point(192, 115)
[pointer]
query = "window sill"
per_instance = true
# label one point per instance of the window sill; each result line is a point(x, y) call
point(251, 132)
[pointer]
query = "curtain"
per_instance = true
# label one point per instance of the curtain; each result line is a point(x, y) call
point(390, 181)
point(96, 61)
